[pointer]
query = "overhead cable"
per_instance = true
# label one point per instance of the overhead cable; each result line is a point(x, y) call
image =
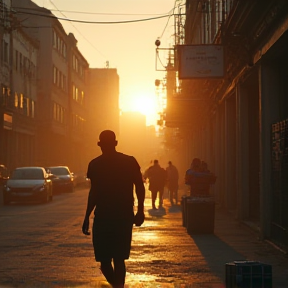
point(93, 22)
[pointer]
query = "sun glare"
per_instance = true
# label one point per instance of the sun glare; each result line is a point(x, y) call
point(144, 104)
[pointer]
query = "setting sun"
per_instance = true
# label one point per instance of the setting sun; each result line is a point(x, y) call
point(146, 104)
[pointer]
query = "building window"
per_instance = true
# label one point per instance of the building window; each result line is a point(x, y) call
point(82, 97)
point(21, 62)
point(5, 52)
point(58, 43)
point(76, 94)
point(76, 64)
point(61, 46)
point(64, 50)
point(73, 91)
point(54, 75)
point(62, 115)
point(73, 61)
point(27, 106)
point(58, 78)
point(25, 109)
point(16, 100)
point(21, 101)
point(54, 39)
point(32, 109)
point(57, 112)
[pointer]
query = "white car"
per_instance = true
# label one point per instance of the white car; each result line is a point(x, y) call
point(28, 184)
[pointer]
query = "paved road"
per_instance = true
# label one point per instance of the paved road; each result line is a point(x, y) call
point(42, 246)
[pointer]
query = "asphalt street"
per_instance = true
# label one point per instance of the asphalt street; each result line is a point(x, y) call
point(42, 246)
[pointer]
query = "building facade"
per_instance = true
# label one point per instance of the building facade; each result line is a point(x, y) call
point(18, 124)
point(61, 89)
point(238, 122)
point(78, 106)
point(5, 77)
point(47, 115)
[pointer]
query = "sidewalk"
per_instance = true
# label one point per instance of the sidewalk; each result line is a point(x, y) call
point(178, 259)
point(237, 237)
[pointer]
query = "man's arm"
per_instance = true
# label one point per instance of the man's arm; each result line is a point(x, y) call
point(91, 203)
point(140, 193)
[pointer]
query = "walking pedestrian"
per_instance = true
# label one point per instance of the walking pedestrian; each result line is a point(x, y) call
point(199, 178)
point(157, 179)
point(113, 176)
point(172, 182)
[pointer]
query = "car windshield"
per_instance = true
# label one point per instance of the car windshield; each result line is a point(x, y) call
point(59, 171)
point(27, 174)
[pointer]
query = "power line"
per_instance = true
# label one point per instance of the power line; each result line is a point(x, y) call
point(93, 22)
point(80, 33)
point(94, 13)
point(171, 13)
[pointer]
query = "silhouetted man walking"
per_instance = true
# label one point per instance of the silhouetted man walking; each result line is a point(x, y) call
point(157, 178)
point(113, 176)
point(172, 182)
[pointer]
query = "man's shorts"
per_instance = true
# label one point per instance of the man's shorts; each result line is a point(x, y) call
point(112, 238)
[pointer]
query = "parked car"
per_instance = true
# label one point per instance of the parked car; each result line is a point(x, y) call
point(4, 174)
point(28, 184)
point(81, 180)
point(64, 180)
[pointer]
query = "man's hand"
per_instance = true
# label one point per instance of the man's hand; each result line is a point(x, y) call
point(85, 226)
point(139, 218)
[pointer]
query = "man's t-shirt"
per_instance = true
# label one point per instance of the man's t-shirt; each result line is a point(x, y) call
point(112, 181)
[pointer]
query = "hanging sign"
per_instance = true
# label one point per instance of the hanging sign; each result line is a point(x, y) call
point(200, 61)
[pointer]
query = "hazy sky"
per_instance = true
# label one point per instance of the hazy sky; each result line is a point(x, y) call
point(129, 47)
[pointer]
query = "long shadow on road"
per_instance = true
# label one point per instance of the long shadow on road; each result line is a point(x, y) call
point(216, 253)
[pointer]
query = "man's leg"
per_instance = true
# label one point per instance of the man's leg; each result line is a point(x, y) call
point(161, 192)
point(171, 196)
point(154, 196)
point(107, 270)
point(119, 272)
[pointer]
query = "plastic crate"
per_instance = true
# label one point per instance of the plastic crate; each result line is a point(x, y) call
point(248, 274)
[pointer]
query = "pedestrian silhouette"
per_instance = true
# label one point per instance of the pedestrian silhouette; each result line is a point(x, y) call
point(113, 176)
point(199, 178)
point(157, 178)
point(172, 182)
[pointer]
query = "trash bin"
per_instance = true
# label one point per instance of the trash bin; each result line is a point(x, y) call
point(200, 215)
point(248, 274)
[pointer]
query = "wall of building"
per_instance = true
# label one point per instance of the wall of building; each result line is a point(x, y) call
point(252, 95)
